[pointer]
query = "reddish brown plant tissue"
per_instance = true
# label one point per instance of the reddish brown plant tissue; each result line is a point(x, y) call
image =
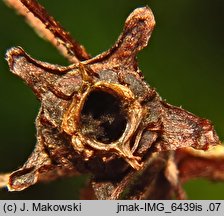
point(99, 116)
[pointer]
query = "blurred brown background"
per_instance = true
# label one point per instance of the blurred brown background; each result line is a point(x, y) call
point(184, 62)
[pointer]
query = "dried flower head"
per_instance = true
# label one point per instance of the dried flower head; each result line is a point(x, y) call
point(98, 115)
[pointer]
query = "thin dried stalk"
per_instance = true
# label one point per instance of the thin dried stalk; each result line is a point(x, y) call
point(4, 179)
point(49, 29)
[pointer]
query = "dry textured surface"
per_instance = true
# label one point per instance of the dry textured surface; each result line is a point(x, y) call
point(99, 114)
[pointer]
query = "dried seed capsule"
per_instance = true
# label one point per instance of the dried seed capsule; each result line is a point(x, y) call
point(100, 115)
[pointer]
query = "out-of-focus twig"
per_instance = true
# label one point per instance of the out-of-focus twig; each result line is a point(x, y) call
point(48, 28)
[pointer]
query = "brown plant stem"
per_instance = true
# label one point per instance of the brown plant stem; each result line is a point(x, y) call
point(4, 178)
point(49, 29)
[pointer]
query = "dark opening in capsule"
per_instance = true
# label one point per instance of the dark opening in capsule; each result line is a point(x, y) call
point(103, 117)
